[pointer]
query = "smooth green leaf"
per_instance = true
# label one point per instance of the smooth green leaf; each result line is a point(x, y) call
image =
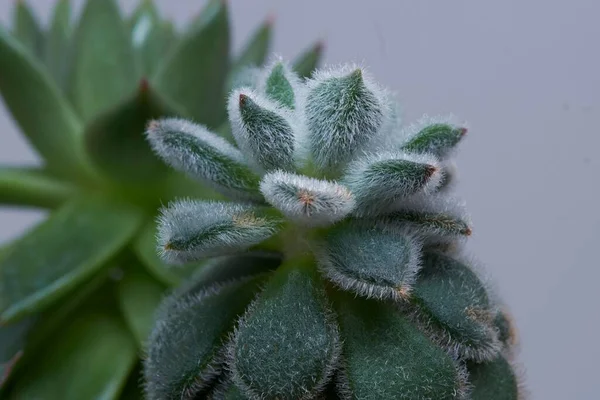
point(287, 344)
point(62, 252)
point(116, 143)
point(37, 105)
point(256, 49)
point(194, 73)
point(308, 61)
point(56, 51)
point(387, 357)
point(493, 380)
point(103, 69)
point(144, 10)
point(27, 29)
point(90, 358)
point(33, 187)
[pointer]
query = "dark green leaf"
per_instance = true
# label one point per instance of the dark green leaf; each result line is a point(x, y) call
point(308, 61)
point(27, 29)
point(32, 187)
point(57, 42)
point(12, 342)
point(432, 223)
point(61, 253)
point(435, 138)
point(133, 388)
point(387, 357)
point(195, 72)
point(104, 68)
point(493, 380)
point(39, 108)
point(90, 358)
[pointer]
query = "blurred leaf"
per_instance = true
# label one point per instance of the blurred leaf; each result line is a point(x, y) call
point(308, 61)
point(39, 108)
point(32, 187)
point(57, 42)
point(59, 254)
point(133, 388)
point(194, 74)
point(255, 51)
point(139, 296)
point(12, 343)
point(90, 358)
point(116, 141)
point(27, 28)
point(104, 68)
point(144, 9)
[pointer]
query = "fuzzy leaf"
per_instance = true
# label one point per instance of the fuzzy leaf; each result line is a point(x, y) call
point(75, 241)
point(255, 50)
point(32, 187)
point(196, 70)
point(226, 390)
point(437, 139)
point(103, 68)
point(286, 346)
point(343, 112)
point(37, 105)
point(191, 230)
point(387, 357)
point(56, 51)
point(308, 201)
point(201, 154)
point(493, 380)
point(308, 61)
point(139, 296)
point(433, 223)
point(184, 352)
point(507, 332)
point(27, 29)
point(133, 389)
point(264, 133)
point(116, 142)
point(455, 302)
point(279, 85)
point(371, 262)
point(378, 182)
point(90, 358)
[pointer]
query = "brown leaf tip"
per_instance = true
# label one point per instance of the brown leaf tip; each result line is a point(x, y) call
point(144, 85)
point(243, 99)
point(468, 231)
point(463, 131)
point(404, 292)
point(153, 125)
point(270, 21)
point(430, 170)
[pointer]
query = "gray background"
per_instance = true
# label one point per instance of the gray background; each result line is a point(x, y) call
point(526, 75)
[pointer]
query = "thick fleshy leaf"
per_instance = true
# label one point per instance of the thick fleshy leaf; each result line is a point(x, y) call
point(56, 50)
point(226, 390)
point(308, 201)
point(371, 262)
point(202, 155)
point(75, 241)
point(27, 29)
point(387, 357)
point(433, 137)
point(90, 358)
point(190, 230)
point(116, 142)
point(139, 297)
point(287, 344)
point(33, 187)
point(12, 343)
point(184, 351)
point(103, 69)
point(493, 380)
point(255, 51)
point(35, 102)
point(377, 182)
point(344, 111)
point(280, 83)
point(308, 61)
point(264, 132)
point(194, 74)
point(454, 304)
point(507, 331)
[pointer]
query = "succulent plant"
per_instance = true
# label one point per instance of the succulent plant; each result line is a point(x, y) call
point(78, 291)
point(337, 264)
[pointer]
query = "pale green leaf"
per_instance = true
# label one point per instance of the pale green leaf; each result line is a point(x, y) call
point(56, 50)
point(27, 28)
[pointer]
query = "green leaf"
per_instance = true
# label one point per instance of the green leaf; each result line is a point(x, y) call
point(57, 42)
point(226, 390)
point(493, 380)
point(308, 61)
point(12, 342)
point(90, 358)
point(104, 68)
point(185, 347)
point(133, 388)
point(139, 297)
point(387, 357)
point(436, 138)
point(39, 108)
point(146, 9)
point(62, 252)
point(116, 143)
point(432, 223)
point(33, 187)
point(195, 72)
point(27, 29)
point(287, 344)
point(256, 49)
point(279, 88)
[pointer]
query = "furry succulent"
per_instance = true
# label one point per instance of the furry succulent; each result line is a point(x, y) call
point(364, 290)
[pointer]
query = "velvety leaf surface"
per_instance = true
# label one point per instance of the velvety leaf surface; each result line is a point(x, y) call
point(62, 252)
point(32, 187)
point(493, 380)
point(56, 50)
